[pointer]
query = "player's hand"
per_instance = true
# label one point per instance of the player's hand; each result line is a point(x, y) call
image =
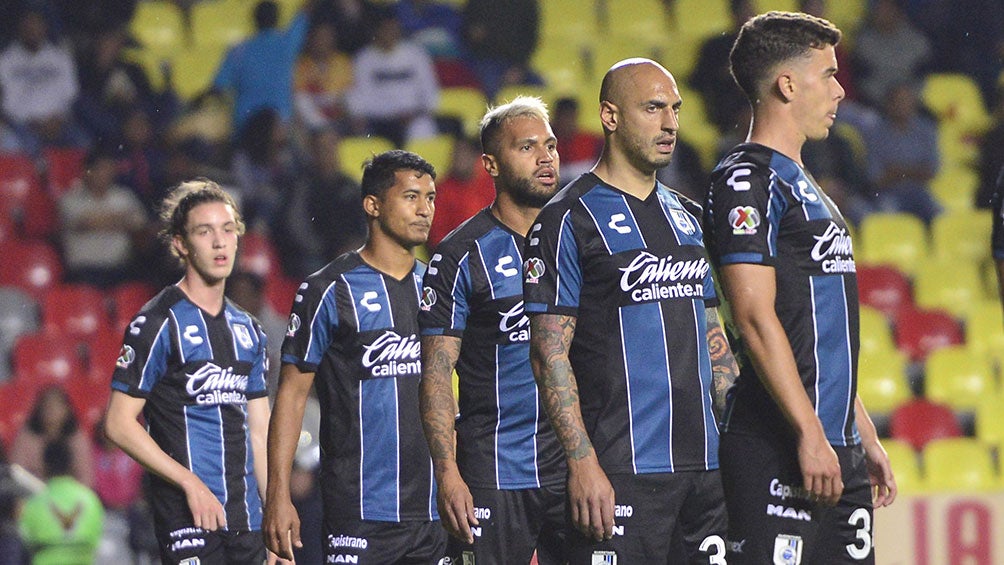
point(456, 505)
point(273, 559)
point(591, 499)
point(880, 473)
point(820, 469)
point(281, 527)
point(207, 512)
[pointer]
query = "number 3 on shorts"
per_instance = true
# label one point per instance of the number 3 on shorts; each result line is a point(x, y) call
point(716, 542)
point(861, 519)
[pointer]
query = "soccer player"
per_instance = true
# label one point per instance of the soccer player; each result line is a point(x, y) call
point(354, 326)
point(194, 364)
point(625, 341)
point(501, 473)
point(798, 447)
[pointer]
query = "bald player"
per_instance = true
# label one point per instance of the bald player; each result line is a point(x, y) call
point(625, 341)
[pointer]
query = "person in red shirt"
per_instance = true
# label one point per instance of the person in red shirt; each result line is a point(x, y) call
point(464, 191)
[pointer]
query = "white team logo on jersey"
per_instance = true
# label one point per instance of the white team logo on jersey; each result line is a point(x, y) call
point(603, 558)
point(243, 336)
point(294, 324)
point(648, 277)
point(683, 221)
point(787, 550)
point(392, 354)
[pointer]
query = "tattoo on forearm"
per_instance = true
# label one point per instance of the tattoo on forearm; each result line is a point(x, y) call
point(723, 364)
point(550, 341)
point(436, 402)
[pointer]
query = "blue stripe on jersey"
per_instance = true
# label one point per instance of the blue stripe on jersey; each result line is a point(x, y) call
point(379, 458)
point(802, 190)
point(517, 403)
point(325, 321)
point(833, 354)
point(777, 205)
point(193, 335)
point(650, 402)
point(460, 290)
point(704, 366)
point(741, 258)
point(685, 226)
point(370, 299)
point(204, 428)
point(569, 271)
point(156, 361)
point(252, 500)
point(502, 262)
point(614, 220)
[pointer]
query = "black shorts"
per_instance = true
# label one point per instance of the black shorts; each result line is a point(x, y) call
point(514, 523)
point(771, 520)
point(660, 518)
point(368, 542)
point(195, 546)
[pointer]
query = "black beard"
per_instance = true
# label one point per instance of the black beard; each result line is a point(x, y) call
point(523, 193)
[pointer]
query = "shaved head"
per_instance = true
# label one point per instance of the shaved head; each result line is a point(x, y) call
point(624, 75)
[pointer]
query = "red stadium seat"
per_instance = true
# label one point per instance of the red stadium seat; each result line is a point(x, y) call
point(18, 175)
point(257, 255)
point(64, 165)
point(14, 411)
point(280, 291)
point(884, 288)
point(102, 351)
point(31, 265)
point(23, 203)
point(45, 358)
point(90, 398)
point(127, 299)
point(919, 332)
point(76, 311)
point(920, 421)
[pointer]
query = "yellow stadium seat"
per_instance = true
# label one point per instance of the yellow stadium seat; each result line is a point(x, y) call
point(954, 186)
point(985, 328)
point(956, 377)
point(158, 25)
point(701, 19)
point(779, 5)
point(638, 18)
point(152, 62)
point(876, 335)
point(905, 466)
point(194, 69)
point(467, 104)
point(220, 23)
point(564, 64)
point(961, 465)
point(989, 423)
point(508, 93)
point(948, 284)
point(882, 381)
point(437, 150)
point(962, 235)
point(956, 101)
point(848, 15)
point(353, 151)
point(565, 19)
point(895, 239)
point(618, 46)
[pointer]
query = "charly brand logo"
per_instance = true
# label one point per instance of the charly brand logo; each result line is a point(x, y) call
point(213, 384)
point(514, 324)
point(391, 355)
point(503, 268)
point(428, 299)
point(534, 269)
point(833, 249)
point(648, 277)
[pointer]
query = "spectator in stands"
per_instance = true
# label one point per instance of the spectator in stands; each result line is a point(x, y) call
point(263, 168)
point(711, 77)
point(685, 173)
point(52, 420)
point(247, 289)
point(395, 92)
point(353, 21)
point(902, 150)
point(142, 163)
point(258, 72)
point(118, 482)
point(579, 149)
point(435, 26)
point(888, 30)
point(991, 158)
point(11, 496)
point(322, 80)
point(38, 80)
point(839, 168)
point(63, 523)
point(309, 237)
point(100, 222)
point(462, 192)
point(501, 38)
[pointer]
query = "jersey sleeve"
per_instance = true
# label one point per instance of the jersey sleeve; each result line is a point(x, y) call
point(552, 274)
point(997, 233)
point(744, 215)
point(312, 325)
point(446, 288)
point(143, 359)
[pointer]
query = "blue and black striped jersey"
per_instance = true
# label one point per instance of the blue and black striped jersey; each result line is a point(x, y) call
point(197, 372)
point(635, 275)
point(764, 208)
point(356, 328)
point(474, 290)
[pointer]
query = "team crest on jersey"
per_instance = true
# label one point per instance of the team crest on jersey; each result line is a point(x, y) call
point(243, 336)
point(744, 220)
point(126, 356)
point(190, 561)
point(603, 558)
point(534, 269)
point(787, 550)
point(428, 299)
point(683, 221)
point(294, 324)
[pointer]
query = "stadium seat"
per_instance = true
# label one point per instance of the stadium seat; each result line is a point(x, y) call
point(919, 332)
point(954, 187)
point(985, 328)
point(956, 102)
point(884, 288)
point(893, 238)
point(637, 18)
point(466, 104)
point(194, 69)
point(437, 150)
point(905, 466)
point(948, 284)
point(218, 24)
point(699, 130)
point(89, 398)
point(126, 300)
point(961, 235)
point(18, 176)
point(44, 358)
point(27, 209)
point(509, 92)
point(921, 421)
point(561, 20)
point(14, 411)
point(353, 151)
point(18, 316)
point(280, 291)
point(32, 265)
point(700, 19)
point(78, 312)
point(63, 166)
point(882, 381)
point(257, 255)
point(875, 332)
point(848, 15)
point(102, 351)
point(959, 465)
point(158, 25)
point(565, 65)
point(953, 376)
point(989, 423)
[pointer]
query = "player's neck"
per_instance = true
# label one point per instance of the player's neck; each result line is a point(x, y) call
point(614, 169)
point(204, 294)
point(387, 255)
point(514, 216)
point(779, 132)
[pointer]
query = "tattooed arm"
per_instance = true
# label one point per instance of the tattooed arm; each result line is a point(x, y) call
point(590, 495)
point(723, 365)
point(439, 410)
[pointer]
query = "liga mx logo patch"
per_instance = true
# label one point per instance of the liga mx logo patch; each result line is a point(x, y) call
point(294, 324)
point(428, 299)
point(744, 220)
point(787, 550)
point(126, 356)
point(534, 269)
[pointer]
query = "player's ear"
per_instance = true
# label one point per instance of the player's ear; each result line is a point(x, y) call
point(491, 164)
point(785, 86)
point(608, 115)
point(371, 205)
point(178, 243)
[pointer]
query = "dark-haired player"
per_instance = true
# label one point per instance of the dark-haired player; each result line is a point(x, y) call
point(499, 467)
point(798, 447)
point(625, 341)
point(354, 326)
point(194, 364)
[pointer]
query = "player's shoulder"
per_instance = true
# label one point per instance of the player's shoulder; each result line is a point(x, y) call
point(333, 271)
point(463, 237)
point(239, 315)
point(754, 157)
point(689, 204)
point(570, 197)
point(159, 307)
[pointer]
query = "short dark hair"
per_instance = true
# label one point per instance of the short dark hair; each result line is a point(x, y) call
point(773, 38)
point(266, 14)
point(187, 195)
point(378, 172)
point(57, 459)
